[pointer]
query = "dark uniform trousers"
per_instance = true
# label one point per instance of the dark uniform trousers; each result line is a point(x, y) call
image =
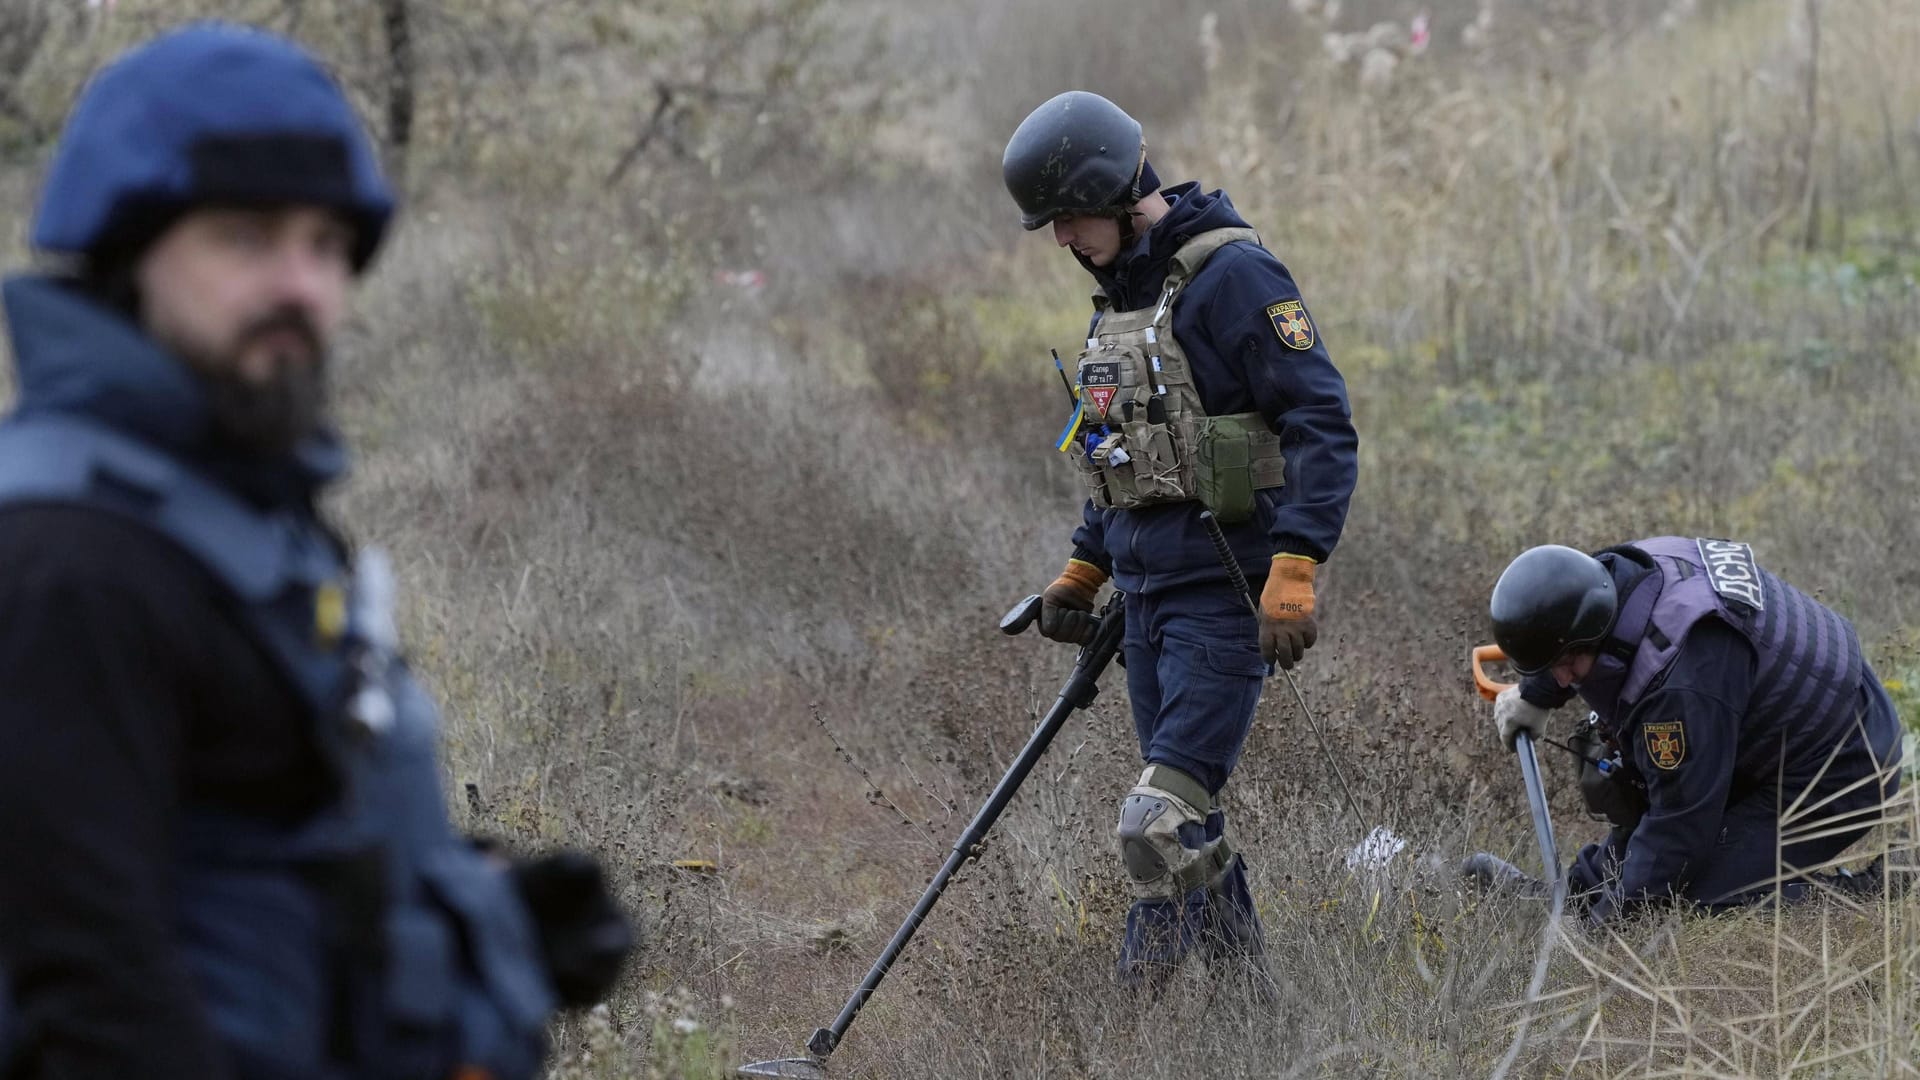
point(1194, 674)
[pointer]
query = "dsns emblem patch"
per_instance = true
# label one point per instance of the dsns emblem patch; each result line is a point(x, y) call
point(1666, 742)
point(1291, 323)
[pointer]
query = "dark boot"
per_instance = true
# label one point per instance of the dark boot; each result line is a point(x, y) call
point(1867, 884)
point(1231, 929)
point(1159, 935)
point(1491, 873)
point(1230, 935)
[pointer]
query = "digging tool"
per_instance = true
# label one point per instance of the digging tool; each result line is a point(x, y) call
point(1239, 581)
point(1529, 764)
point(1078, 693)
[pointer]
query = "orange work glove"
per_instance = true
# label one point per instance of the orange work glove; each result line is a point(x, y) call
point(1287, 629)
point(1066, 606)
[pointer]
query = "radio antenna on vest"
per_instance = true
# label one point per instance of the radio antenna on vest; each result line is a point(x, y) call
point(1072, 397)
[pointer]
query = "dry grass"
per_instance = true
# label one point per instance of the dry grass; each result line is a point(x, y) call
point(670, 541)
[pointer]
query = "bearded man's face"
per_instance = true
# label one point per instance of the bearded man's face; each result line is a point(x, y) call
point(250, 298)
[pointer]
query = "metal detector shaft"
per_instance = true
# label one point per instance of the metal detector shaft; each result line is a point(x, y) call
point(1537, 802)
point(1239, 581)
point(1078, 693)
point(1529, 762)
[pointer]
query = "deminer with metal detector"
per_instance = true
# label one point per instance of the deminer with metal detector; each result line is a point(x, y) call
point(1201, 367)
point(1738, 740)
point(1215, 440)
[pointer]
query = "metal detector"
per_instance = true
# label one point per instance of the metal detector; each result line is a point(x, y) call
point(1529, 764)
point(1078, 693)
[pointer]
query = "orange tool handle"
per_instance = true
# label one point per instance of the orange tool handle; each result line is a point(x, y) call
point(1482, 654)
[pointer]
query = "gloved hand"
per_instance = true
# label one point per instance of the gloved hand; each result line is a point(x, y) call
point(1513, 714)
point(584, 934)
point(1287, 628)
point(1066, 606)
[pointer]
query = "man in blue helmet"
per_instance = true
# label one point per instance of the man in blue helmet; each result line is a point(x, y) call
point(1738, 737)
point(1205, 385)
point(228, 855)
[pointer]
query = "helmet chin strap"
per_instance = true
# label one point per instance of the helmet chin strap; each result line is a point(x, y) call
point(1145, 182)
point(1128, 234)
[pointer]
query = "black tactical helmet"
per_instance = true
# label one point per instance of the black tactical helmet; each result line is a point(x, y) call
point(1077, 154)
point(1549, 600)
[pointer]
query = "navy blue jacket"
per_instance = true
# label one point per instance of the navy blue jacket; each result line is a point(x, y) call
point(72, 355)
point(1707, 687)
point(132, 690)
point(1239, 365)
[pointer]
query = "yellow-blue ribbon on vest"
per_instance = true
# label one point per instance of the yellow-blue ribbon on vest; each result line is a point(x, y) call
point(1073, 427)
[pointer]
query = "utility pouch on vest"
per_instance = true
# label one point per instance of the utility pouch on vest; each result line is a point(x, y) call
point(1155, 465)
point(1153, 441)
point(1133, 461)
point(1096, 484)
point(1136, 465)
point(1226, 466)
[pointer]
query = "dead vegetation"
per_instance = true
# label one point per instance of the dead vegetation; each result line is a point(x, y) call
point(1603, 270)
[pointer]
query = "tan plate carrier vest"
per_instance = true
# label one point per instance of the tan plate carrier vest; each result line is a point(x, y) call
point(1133, 358)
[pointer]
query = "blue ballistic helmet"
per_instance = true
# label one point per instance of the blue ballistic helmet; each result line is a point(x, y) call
point(211, 113)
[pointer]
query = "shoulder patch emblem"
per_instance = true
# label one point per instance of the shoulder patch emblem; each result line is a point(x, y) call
point(1732, 571)
point(1666, 742)
point(1291, 323)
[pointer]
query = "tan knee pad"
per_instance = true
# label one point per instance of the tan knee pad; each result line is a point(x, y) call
point(1159, 866)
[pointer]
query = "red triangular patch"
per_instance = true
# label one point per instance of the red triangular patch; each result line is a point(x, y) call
point(1102, 397)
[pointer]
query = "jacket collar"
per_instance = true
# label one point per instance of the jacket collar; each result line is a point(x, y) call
point(76, 356)
point(1135, 278)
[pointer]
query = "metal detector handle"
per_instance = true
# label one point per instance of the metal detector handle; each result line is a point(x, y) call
point(1488, 654)
point(1020, 616)
point(1537, 804)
